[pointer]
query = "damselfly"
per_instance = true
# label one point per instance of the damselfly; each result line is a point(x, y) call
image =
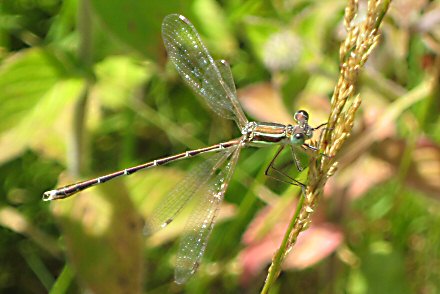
point(213, 81)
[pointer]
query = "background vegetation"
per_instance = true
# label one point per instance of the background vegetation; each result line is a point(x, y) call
point(86, 89)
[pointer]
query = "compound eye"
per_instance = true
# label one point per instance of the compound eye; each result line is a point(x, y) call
point(297, 139)
point(299, 136)
point(301, 116)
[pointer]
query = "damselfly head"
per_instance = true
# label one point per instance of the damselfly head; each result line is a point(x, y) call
point(301, 116)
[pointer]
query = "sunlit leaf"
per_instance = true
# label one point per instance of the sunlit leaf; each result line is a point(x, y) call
point(36, 102)
point(24, 79)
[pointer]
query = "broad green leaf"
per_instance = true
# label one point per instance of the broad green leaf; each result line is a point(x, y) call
point(24, 79)
point(43, 126)
point(32, 102)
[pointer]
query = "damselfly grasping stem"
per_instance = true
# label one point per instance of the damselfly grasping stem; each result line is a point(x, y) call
point(213, 81)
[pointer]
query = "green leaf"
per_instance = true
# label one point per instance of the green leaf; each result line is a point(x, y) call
point(49, 114)
point(24, 79)
point(32, 102)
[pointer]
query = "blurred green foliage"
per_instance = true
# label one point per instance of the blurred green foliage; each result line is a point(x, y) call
point(384, 199)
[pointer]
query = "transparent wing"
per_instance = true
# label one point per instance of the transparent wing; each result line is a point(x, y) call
point(226, 74)
point(202, 219)
point(176, 199)
point(198, 69)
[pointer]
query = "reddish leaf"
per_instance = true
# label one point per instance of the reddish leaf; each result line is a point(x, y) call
point(320, 240)
point(264, 103)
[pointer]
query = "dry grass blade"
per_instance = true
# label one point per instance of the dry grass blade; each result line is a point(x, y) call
point(362, 36)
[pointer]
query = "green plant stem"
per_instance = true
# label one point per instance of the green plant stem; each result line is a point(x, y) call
point(77, 155)
point(63, 281)
point(382, 13)
point(277, 260)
